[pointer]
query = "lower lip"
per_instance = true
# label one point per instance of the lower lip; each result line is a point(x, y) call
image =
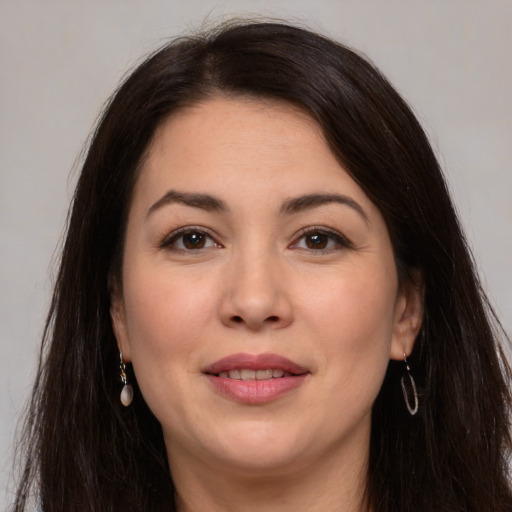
point(256, 391)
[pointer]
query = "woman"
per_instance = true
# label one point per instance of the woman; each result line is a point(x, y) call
point(265, 300)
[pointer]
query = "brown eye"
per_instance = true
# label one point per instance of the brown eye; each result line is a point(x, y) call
point(194, 240)
point(321, 241)
point(189, 240)
point(316, 241)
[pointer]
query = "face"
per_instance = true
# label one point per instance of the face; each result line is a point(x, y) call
point(260, 303)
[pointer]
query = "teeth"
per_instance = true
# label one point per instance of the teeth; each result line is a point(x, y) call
point(246, 374)
point(263, 374)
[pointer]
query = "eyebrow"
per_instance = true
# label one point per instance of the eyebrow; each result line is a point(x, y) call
point(289, 207)
point(203, 201)
point(310, 201)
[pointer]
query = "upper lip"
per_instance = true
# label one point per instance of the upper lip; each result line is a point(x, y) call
point(255, 362)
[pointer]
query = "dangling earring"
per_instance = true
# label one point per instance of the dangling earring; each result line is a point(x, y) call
point(412, 410)
point(127, 391)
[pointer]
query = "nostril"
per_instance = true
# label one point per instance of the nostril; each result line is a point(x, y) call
point(255, 323)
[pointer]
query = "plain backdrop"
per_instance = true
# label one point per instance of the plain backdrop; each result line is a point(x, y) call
point(60, 60)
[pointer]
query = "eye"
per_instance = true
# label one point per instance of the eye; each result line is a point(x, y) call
point(189, 239)
point(320, 240)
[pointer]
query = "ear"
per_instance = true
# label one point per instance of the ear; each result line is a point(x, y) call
point(118, 319)
point(408, 316)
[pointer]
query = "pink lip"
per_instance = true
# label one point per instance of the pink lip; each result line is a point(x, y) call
point(255, 391)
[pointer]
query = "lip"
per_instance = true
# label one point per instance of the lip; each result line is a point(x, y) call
point(255, 391)
point(255, 362)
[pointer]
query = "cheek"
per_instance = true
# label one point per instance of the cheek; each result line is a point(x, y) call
point(166, 319)
point(355, 322)
point(354, 335)
point(356, 301)
point(162, 306)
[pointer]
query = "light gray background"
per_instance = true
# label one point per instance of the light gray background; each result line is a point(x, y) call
point(59, 61)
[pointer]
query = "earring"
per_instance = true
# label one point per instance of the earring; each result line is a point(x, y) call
point(412, 410)
point(127, 391)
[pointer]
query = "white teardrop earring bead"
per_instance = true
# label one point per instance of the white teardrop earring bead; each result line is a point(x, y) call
point(126, 395)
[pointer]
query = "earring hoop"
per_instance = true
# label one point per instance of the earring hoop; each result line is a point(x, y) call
point(127, 391)
point(412, 385)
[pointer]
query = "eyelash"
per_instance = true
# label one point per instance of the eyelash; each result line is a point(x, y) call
point(339, 240)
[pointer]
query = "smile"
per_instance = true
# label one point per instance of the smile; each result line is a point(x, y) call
point(255, 379)
point(247, 374)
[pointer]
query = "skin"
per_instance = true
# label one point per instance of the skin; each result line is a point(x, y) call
point(257, 284)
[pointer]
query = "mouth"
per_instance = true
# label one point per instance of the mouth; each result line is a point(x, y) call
point(248, 374)
point(255, 379)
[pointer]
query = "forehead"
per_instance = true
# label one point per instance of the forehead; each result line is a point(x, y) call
point(241, 148)
point(224, 126)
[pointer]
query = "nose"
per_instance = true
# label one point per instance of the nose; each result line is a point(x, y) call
point(256, 295)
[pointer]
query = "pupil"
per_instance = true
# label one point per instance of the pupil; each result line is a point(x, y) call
point(193, 240)
point(317, 241)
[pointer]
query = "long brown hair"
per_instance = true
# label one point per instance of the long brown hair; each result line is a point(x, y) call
point(84, 451)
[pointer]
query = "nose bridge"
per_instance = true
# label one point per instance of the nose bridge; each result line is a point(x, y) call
point(255, 294)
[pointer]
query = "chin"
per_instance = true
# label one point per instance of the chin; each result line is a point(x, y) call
point(261, 450)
